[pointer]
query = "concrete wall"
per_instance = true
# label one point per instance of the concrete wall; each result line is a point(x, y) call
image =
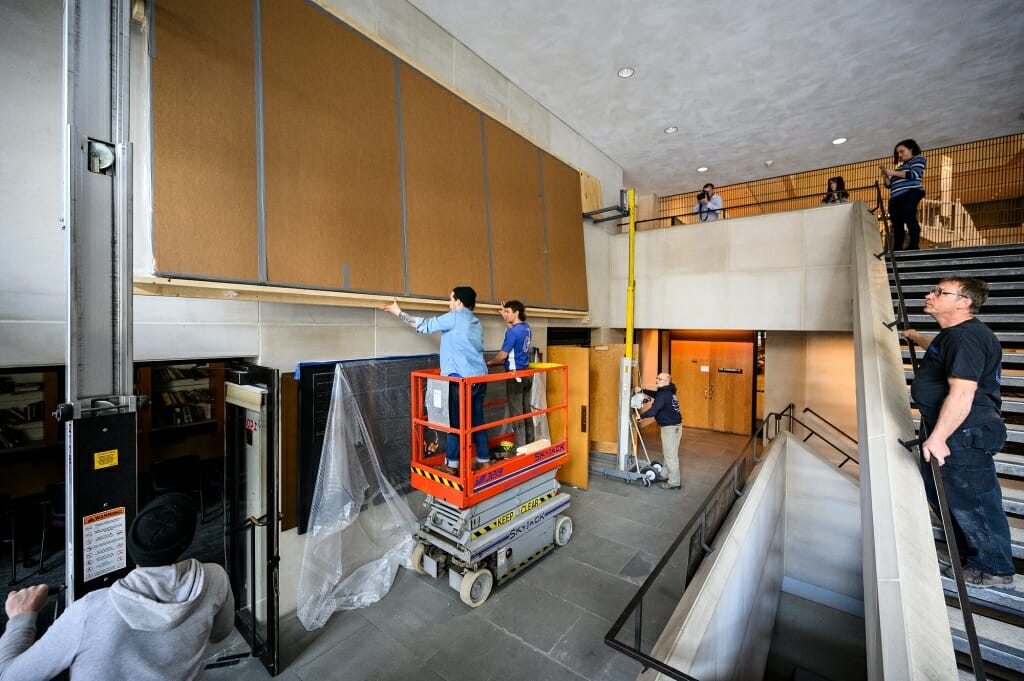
point(784, 271)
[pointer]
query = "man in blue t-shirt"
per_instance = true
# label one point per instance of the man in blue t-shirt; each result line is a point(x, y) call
point(462, 356)
point(515, 355)
point(956, 389)
point(665, 411)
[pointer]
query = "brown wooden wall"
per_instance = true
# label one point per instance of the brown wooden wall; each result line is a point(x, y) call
point(374, 177)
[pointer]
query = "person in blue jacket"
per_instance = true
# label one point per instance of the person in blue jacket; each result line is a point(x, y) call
point(462, 356)
point(665, 411)
point(906, 189)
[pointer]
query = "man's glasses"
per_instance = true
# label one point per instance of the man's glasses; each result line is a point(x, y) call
point(940, 292)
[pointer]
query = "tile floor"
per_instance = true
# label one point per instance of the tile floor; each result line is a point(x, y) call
point(546, 624)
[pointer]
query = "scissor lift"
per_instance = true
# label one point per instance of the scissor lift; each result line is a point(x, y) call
point(485, 526)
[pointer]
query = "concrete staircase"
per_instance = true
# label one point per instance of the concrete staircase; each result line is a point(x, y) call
point(998, 612)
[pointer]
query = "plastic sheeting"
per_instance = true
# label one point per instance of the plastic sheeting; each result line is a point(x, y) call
point(360, 529)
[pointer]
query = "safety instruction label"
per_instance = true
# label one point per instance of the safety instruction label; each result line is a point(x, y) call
point(107, 459)
point(104, 543)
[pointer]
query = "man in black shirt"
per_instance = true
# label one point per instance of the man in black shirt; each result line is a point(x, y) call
point(665, 411)
point(956, 389)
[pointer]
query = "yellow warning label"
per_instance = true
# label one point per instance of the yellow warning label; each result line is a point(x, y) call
point(107, 459)
point(506, 517)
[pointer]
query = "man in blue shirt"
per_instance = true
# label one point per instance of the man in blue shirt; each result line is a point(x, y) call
point(665, 411)
point(462, 356)
point(515, 355)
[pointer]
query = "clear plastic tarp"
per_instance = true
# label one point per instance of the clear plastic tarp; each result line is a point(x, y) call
point(360, 528)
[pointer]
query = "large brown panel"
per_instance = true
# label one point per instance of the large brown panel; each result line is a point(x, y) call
point(517, 230)
point(333, 201)
point(204, 140)
point(575, 471)
point(446, 210)
point(567, 262)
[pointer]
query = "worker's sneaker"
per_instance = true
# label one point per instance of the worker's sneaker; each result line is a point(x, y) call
point(665, 485)
point(976, 577)
point(450, 470)
point(477, 465)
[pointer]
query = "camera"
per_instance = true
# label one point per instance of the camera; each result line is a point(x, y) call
point(701, 196)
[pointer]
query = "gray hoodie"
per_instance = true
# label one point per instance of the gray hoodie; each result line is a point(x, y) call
point(152, 624)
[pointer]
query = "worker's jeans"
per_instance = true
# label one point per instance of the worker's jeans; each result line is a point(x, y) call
point(476, 406)
point(974, 497)
point(903, 213)
point(518, 393)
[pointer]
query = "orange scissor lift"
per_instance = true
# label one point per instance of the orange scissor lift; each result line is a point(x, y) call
point(484, 526)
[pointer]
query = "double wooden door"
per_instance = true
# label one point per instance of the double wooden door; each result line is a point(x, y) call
point(715, 384)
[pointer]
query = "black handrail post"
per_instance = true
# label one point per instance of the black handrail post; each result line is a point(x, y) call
point(638, 624)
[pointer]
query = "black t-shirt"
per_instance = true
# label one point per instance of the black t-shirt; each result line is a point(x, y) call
point(969, 351)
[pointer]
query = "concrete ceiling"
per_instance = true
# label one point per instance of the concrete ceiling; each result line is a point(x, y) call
point(748, 81)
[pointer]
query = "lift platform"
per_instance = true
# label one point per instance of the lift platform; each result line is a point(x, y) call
point(483, 527)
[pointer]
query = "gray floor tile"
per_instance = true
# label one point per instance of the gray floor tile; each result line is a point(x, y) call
point(587, 587)
point(583, 649)
point(369, 655)
point(591, 548)
point(532, 614)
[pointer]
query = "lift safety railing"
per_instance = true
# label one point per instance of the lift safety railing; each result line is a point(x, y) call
point(903, 320)
point(733, 477)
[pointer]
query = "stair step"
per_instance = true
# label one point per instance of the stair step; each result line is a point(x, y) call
point(1014, 433)
point(986, 274)
point(1007, 381)
point(958, 262)
point(1001, 652)
point(1011, 466)
point(918, 289)
point(1011, 360)
point(992, 320)
point(916, 302)
point(1008, 339)
point(1013, 501)
point(968, 251)
point(1011, 406)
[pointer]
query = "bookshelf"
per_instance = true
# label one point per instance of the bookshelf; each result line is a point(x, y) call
point(28, 398)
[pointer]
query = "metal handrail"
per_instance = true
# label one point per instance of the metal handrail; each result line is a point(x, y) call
point(812, 432)
point(756, 204)
point(635, 605)
point(831, 425)
point(903, 320)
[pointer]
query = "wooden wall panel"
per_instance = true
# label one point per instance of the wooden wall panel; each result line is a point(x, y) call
point(204, 140)
point(446, 210)
point(567, 262)
point(333, 201)
point(517, 230)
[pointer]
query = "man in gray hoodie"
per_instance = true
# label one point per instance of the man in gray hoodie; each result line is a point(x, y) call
point(152, 624)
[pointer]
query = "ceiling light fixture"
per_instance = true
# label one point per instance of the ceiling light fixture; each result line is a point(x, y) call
point(671, 129)
point(702, 169)
point(769, 163)
point(626, 71)
point(839, 140)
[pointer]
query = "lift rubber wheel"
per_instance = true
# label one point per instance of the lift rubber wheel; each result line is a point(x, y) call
point(476, 587)
point(648, 475)
point(417, 558)
point(563, 530)
point(658, 467)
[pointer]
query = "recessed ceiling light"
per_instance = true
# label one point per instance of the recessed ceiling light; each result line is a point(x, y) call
point(769, 163)
point(702, 169)
point(626, 71)
point(839, 140)
point(671, 129)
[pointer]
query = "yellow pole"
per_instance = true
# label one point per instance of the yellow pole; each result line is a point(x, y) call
point(626, 373)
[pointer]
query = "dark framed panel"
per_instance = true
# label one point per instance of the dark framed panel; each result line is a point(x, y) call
point(204, 140)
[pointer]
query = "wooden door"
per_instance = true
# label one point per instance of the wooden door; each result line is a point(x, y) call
point(691, 372)
point(732, 387)
point(576, 471)
point(605, 368)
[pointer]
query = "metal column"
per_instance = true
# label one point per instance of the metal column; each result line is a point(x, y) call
point(99, 414)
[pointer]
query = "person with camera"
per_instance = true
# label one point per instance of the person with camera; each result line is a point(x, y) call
point(708, 203)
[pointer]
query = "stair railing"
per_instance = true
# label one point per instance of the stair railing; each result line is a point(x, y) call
point(903, 320)
point(811, 433)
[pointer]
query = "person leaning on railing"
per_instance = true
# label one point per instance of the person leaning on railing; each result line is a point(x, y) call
point(836, 191)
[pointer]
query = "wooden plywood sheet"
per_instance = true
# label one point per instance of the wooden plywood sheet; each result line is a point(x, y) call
point(333, 186)
point(577, 471)
point(204, 140)
point(517, 230)
point(567, 263)
point(590, 192)
point(446, 210)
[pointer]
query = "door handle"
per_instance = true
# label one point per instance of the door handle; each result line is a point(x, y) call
point(583, 418)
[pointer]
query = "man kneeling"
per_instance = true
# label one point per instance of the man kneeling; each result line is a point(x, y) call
point(154, 623)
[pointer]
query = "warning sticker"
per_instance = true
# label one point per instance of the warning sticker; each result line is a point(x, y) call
point(104, 546)
point(107, 459)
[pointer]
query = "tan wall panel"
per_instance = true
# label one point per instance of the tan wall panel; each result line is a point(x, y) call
point(333, 196)
point(446, 210)
point(567, 262)
point(517, 230)
point(204, 140)
point(605, 364)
